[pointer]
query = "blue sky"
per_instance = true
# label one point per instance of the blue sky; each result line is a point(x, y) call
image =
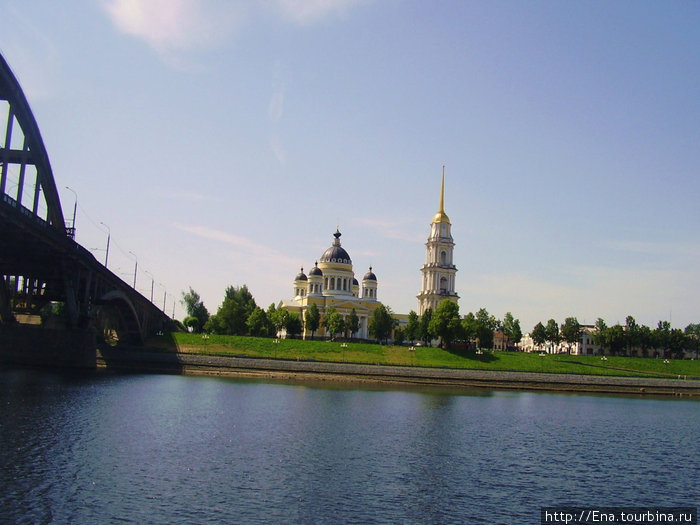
point(222, 142)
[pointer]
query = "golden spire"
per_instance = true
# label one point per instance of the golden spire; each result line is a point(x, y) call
point(441, 216)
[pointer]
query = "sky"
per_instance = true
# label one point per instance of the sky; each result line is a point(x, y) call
point(222, 142)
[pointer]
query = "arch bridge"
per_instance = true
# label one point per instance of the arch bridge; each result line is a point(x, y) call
point(40, 262)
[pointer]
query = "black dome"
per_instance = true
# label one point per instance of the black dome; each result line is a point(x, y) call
point(300, 276)
point(336, 254)
point(369, 276)
point(354, 282)
point(316, 270)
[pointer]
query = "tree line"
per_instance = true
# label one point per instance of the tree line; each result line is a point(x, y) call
point(623, 339)
point(240, 315)
point(446, 325)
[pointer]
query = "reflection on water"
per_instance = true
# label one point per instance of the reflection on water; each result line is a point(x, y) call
point(174, 449)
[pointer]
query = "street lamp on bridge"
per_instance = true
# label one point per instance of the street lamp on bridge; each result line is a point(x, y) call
point(165, 295)
point(136, 266)
point(75, 208)
point(152, 280)
point(109, 234)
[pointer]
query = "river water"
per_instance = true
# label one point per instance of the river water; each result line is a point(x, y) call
point(175, 449)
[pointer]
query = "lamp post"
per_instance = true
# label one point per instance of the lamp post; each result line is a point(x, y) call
point(151, 276)
point(75, 208)
point(109, 234)
point(136, 266)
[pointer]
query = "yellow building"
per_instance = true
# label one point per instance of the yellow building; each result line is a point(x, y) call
point(332, 283)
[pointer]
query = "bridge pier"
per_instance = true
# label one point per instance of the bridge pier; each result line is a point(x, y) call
point(6, 316)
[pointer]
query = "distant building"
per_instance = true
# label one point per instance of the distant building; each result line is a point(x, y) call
point(439, 271)
point(584, 346)
point(332, 283)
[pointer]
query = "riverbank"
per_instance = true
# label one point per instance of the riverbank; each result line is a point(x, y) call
point(113, 359)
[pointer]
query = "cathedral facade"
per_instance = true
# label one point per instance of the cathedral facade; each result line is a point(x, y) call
point(439, 270)
point(332, 283)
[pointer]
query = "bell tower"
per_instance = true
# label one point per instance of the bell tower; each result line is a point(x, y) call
point(439, 270)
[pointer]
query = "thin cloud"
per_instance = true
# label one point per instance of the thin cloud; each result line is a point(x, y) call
point(174, 27)
point(276, 106)
point(251, 249)
point(169, 26)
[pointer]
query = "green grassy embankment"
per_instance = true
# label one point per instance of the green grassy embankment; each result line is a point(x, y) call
point(365, 353)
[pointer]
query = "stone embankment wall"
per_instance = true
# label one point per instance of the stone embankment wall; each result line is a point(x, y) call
point(348, 372)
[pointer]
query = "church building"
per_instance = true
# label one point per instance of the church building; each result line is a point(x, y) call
point(332, 283)
point(439, 270)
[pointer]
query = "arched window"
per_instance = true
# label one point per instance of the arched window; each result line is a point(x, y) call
point(443, 257)
point(443, 285)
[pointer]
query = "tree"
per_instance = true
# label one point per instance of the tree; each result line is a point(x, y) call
point(293, 324)
point(552, 332)
point(539, 335)
point(270, 315)
point(191, 323)
point(679, 342)
point(232, 316)
point(615, 339)
point(600, 334)
point(511, 329)
point(312, 318)
point(382, 323)
point(693, 333)
point(646, 339)
point(631, 334)
point(424, 333)
point(485, 324)
point(517, 332)
point(333, 322)
point(352, 323)
point(278, 320)
point(399, 336)
point(445, 322)
point(412, 328)
point(662, 337)
point(257, 322)
point(195, 308)
point(469, 327)
point(570, 332)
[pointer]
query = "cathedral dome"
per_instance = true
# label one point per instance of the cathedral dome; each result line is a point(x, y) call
point(369, 276)
point(316, 271)
point(336, 253)
point(300, 276)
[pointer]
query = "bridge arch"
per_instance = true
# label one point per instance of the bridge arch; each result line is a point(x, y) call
point(117, 319)
point(23, 155)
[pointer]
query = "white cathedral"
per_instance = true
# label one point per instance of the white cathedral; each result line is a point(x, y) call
point(332, 282)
